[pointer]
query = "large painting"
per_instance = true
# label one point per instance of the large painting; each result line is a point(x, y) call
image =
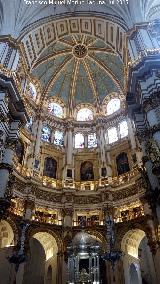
point(122, 164)
point(50, 167)
point(86, 171)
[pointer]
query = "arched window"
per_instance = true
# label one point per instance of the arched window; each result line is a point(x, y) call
point(46, 134)
point(113, 106)
point(50, 167)
point(79, 140)
point(32, 91)
point(123, 128)
point(92, 140)
point(86, 171)
point(58, 138)
point(20, 151)
point(55, 109)
point(84, 114)
point(122, 164)
point(112, 135)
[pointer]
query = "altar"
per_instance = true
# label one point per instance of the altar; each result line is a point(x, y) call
point(83, 259)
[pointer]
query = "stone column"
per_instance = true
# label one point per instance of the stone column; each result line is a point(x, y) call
point(29, 209)
point(67, 217)
point(152, 237)
point(131, 134)
point(101, 144)
point(69, 149)
point(52, 137)
point(38, 138)
point(6, 165)
point(85, 141)
point(60, 260)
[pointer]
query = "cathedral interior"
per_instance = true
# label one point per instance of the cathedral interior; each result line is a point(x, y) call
point(80, 142)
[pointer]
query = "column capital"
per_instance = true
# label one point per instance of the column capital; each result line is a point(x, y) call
point(67, 212)
point(29, 204)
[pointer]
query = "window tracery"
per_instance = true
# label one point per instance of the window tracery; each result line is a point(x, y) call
point(112, 135)
point(123, 128)
point(55, 109)
point(46, 134)
point(58, 138)
point(84, 114)
point(79, 140)
point(92, 140)
point(113, 106)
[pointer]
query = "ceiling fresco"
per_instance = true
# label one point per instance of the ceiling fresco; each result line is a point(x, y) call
point(79, 68)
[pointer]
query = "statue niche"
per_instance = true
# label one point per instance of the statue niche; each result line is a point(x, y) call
point(122, 163)
point(50, 167)
point(86, 171)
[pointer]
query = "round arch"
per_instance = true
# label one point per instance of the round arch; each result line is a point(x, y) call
point(55, 236)
point(6, 234)
point(131, 242)
point(48, 243)
point(137, 261)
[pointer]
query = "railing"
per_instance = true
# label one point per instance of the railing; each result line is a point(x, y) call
point(47, 218)
point(120, 180)
point(88, 223)
point(17, 208)
point(113, 182)
point(129, 214)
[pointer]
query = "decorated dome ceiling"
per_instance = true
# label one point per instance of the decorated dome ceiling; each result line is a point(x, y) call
point(15, 15)
point(79, 68)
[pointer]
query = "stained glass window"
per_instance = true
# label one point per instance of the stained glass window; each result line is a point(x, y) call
point(58, 138)
point(113, 106)
point(112, 135)
point(84, 114)
point(123, 128)
point(55, 109)
point(46, 134)
point(92, 140)
point(79, 140)
point(32, 91)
